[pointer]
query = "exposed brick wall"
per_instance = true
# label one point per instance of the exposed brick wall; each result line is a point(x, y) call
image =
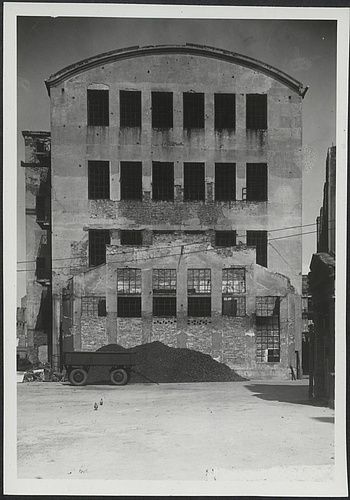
point(129, 332)
point(165, 330)
point(93, 333)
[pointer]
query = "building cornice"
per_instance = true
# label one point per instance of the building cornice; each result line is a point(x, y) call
point(190, 49)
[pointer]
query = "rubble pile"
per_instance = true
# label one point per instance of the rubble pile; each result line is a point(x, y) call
point(159, 363)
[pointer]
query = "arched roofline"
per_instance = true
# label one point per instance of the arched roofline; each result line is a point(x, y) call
point(189, 48)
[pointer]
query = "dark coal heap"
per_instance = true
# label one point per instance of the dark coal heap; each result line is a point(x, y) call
point(156, 362)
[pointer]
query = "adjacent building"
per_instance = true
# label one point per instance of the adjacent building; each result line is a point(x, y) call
point(322, 289)
point(175, 178)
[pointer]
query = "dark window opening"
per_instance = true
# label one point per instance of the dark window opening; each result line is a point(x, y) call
point(130, 108)
point(225, 181)
point(131, 180)
point(129, 307)
point(163, 181)
point(233, 306)
point(162, 109)
point(225, 238)
point(98, 107)
point(268, 329)
point(193, 110)
point(256, 182)
point(98, 239)
point(42, 208)
point(225, 111)
point(164, 306)
point(258, 239)
point(98, 180)
point(132, 238)
point(40, 147)
point(256, 110)
point(42, 269)
point(199, 307)
point(194, 182)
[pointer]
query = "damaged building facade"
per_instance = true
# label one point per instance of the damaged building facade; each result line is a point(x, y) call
point(175, 182)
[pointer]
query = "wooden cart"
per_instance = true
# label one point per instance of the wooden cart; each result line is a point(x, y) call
point(78, 365)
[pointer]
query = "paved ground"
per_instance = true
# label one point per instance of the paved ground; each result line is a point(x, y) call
point(204, 431)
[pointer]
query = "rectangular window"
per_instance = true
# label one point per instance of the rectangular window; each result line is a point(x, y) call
point(233, 280)
point(130, 108)
point(225, 238)
point(225, 111)
point(162, 110)
point(268, 329)
point(256, 111)
point(194, 182)
point(129, 281)
point(98, 239)
point(164, 306)
point(225, 181)
point(199, 281)
point(131, 180)
point(93, 306)
point(98, 180)
point(193, 110)
point(256, 182)
point(164, 281)
point(199, 307)
point(233, 306)
point(164, 292)
point(129, 307)
point(258, 239)
point(132, 238)
point(98, 107)
point(163, 181)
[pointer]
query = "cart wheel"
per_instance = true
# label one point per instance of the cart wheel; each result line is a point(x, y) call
point(78, 376)
point(119, 377)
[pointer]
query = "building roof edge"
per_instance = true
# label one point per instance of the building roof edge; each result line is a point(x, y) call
point(189, 48)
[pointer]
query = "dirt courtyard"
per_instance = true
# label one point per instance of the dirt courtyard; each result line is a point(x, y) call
point(196, 431)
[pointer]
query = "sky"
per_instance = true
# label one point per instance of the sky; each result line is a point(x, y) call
point(305, 49)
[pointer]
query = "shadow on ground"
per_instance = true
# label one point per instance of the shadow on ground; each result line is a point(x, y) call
point(298, 394)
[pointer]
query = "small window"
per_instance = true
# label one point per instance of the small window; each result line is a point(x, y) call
point(225, 238)
point(130, 108)
point(98, 239)
point(129, 307)
point(225, 181)
point(98, 180)
point(93, 306)
point(131, 238)
point(162, 110)
point(199, 281)
point(129, 281)
point(98, 107)
point(131, 180)
point(225, 111)
point(256, 109)
point(193, 110)
point(258, 239)
point(256, 182)
point(163, 181)
point(194, 182)
point(199, 307)
point(268, 329)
